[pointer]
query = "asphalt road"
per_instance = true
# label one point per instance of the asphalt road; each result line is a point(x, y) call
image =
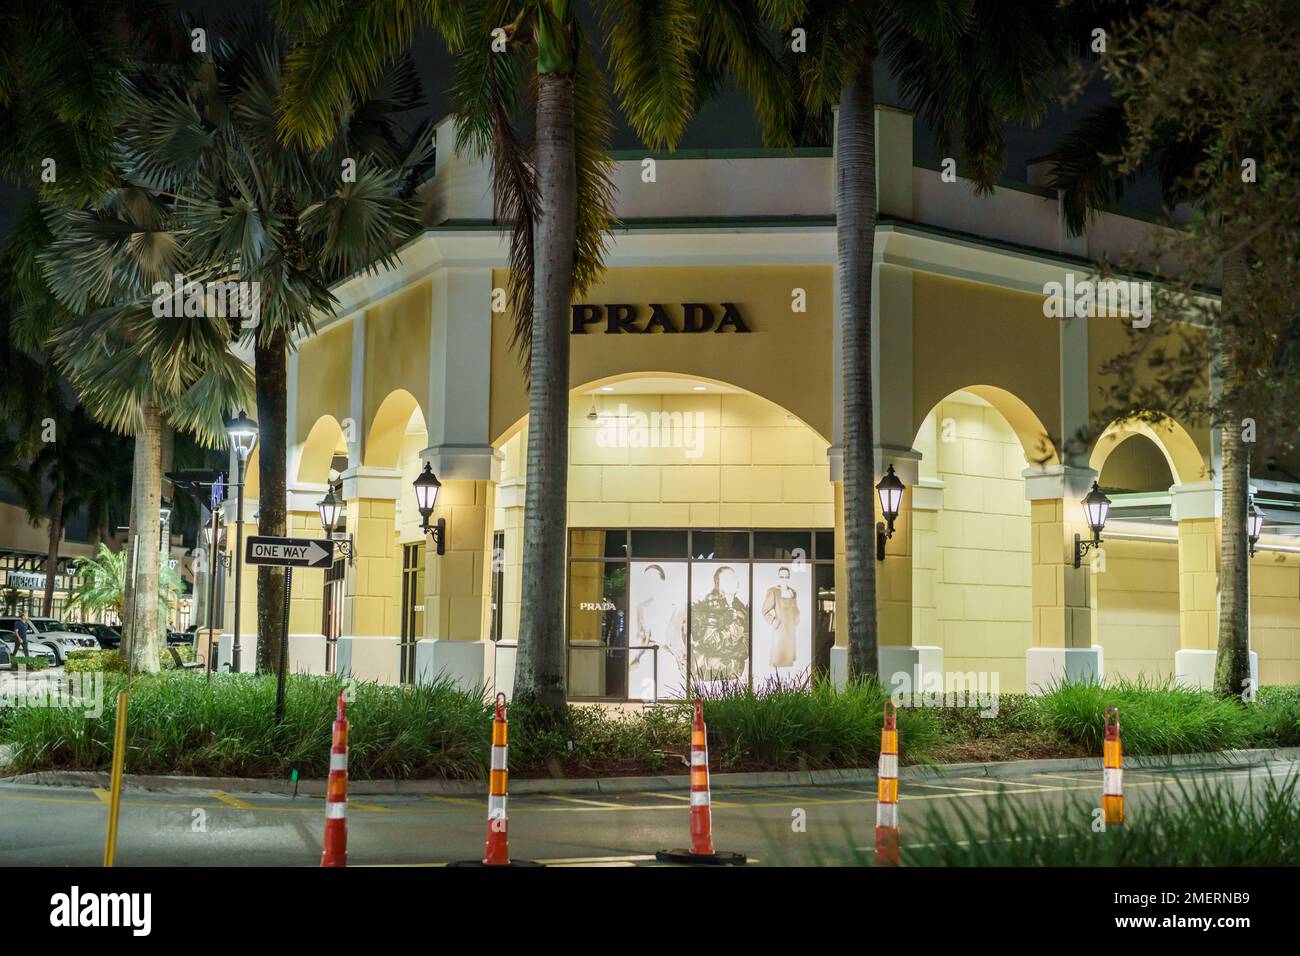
point(64, 826)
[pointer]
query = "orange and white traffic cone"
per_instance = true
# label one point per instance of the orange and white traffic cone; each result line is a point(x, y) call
point(336, 795)
point(1112, 783)
point(701, 850)
point(887, 791)
point(496, 852)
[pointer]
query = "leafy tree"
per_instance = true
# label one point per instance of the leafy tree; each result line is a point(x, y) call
point(1205, 94)
point(287, 220)
point(102, 585)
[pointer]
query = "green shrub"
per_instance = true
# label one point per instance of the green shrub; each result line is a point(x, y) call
point(1155, 718)
point(30, 663)
point(812, 725)
point(95, 661)
point(114, 663)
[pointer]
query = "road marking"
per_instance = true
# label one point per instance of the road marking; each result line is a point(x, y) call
point(458, 801)
point(369, 807)
point(104, 795)
point(603, 804)
point(236, 802)
point(666, 796)
point(937, 786)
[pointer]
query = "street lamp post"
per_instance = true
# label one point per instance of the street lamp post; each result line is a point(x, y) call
point(215, 535)
point(242, 432)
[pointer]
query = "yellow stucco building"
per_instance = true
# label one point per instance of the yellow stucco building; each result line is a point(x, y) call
point(703, 466)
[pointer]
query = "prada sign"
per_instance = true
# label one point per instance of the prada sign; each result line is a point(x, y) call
point(619, 317)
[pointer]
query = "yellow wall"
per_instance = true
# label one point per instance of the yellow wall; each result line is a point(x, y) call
point(325, 369)
point(981, 577)
point(1275, 616)
point(1136, 608)
point(966, 333)
point(756, 467)
point(786, 358)
point(397, 347)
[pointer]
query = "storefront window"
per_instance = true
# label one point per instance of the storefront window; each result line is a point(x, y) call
point(763, 612)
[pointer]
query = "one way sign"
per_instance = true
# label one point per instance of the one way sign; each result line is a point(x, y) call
point(289, 552)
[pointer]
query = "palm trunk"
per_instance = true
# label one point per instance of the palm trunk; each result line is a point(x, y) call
point(146, 490)
point(272, 371)
point(52, 553)
point(128, 583)
point(855, 227)
point(540, 667)
point(1232, 664)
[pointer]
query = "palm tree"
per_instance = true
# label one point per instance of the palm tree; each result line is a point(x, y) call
point(102, 585)
point(135, 371)
point(59, 460)
point(969, 66)
point(288, 220)
point(63, 65)
point(665, 60)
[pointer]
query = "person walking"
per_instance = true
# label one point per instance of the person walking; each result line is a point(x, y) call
point(24, 630)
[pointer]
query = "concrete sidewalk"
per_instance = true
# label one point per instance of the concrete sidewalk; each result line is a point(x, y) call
point(997, 771)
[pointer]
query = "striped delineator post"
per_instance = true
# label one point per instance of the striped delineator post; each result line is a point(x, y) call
point(701, 850)
point(887, 790)
point(1112, 783)
point(496, 852)
point(336, 794)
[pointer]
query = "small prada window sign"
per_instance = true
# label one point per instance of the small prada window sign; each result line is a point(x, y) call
point(622, 317)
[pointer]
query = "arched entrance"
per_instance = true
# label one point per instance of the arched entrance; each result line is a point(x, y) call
point(701, 538)
point(972, 543)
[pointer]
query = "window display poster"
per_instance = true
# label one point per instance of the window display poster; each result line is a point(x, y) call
point(658, 619)
point(719, 621)
point(783, 622)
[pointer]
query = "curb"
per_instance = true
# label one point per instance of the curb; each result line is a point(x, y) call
point(804, 778)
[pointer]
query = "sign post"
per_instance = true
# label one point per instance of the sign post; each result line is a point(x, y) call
point(288, 553)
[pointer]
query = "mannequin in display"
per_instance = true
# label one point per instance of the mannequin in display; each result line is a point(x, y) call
point(720, 629)
point(660, 625)
point(781, 612)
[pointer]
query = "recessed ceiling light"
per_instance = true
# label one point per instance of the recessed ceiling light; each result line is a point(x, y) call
point(607, 388)
point(701, 388)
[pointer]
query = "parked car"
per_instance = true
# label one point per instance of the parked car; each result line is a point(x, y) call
point(109, 638)
point(9, 649)
point(53, 635)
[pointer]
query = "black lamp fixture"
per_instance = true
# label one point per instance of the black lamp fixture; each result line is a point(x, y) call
point(242, 433)
point(329, 508)
point(1096, 506)
point(890, 489)
point(1254, 525)
point(426, 496)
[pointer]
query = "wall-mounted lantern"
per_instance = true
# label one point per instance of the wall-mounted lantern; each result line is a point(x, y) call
point(1096, 506)
point(890, 489)
point(426, 496)
point(329, 508)
point(1254, 525)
